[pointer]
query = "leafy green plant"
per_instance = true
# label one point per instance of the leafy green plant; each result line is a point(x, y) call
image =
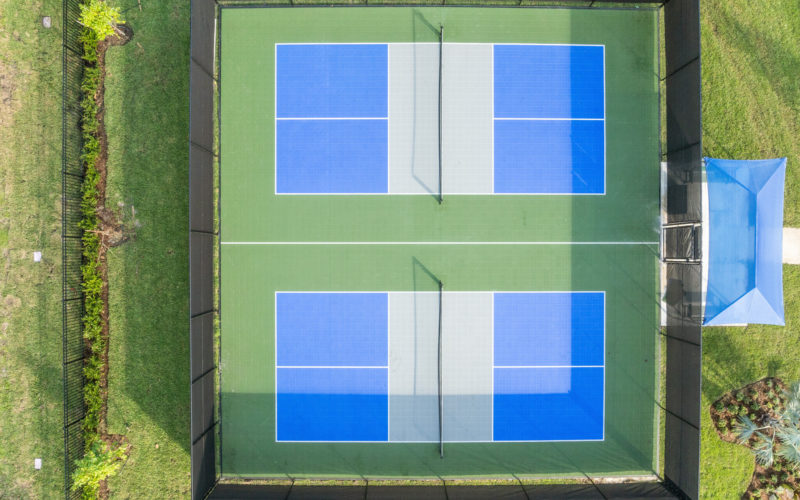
point(99, 19)
point(719, 406)
point(98, 463)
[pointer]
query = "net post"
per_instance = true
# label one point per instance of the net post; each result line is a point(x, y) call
point(441, 401)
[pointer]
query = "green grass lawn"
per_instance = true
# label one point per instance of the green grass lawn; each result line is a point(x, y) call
point(30, 208)
point(147, 100)
point(751, 109)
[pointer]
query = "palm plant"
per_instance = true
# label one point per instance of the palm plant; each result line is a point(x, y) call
point(783, 441)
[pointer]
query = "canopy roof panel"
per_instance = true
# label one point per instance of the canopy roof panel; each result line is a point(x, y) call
point(745, 282)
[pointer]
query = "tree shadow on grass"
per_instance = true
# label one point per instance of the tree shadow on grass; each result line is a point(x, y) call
point(147, 125)
point(724, 366)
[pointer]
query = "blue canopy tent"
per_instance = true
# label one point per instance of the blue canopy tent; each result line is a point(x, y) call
point(745, 202)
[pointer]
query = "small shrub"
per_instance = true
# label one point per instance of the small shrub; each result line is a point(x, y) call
point(739, 395)
point(98, 463)
point(719, 406)
point(732, 408)
point(99, 19)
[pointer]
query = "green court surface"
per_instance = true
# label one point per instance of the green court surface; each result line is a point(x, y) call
point(272, 243)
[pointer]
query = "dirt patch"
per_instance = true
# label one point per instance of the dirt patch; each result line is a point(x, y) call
point(123, 36)
point(113, 232)
point(10, 303)
point(8, 87)
point(762, 402)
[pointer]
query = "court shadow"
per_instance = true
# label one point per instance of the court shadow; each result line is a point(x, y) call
point(616, 207)
point(422, 31)
point(423, 278)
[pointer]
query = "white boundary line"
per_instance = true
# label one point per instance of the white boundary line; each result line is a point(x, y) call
point(326, 118)
point(498, 243)
point(551, 119)
point(492, 375)
point(604, 366)
point(388, 121)
point(436, 292)
point(447, 441)
point(275, 125)
point(445, 43)
point(330, 367)
point(388, 369)
point(440, 367)
point(275, 335)
point(512, 367)
point(484, 193)
point(388, 136)
point(491, 145)
point(605, 148)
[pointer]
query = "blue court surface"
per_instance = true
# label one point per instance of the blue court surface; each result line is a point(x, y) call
point(544, 382)
point(546, 133)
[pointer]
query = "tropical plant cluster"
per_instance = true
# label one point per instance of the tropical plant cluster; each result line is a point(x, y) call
point(100, 459)
point(765, 417)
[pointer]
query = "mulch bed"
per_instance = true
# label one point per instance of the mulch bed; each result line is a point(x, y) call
point(760, 401)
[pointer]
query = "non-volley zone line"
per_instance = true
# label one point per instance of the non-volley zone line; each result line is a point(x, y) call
point(414, 243)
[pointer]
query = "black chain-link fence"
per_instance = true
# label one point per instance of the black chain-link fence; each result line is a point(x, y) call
point(71, 256)
point(682, 155)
